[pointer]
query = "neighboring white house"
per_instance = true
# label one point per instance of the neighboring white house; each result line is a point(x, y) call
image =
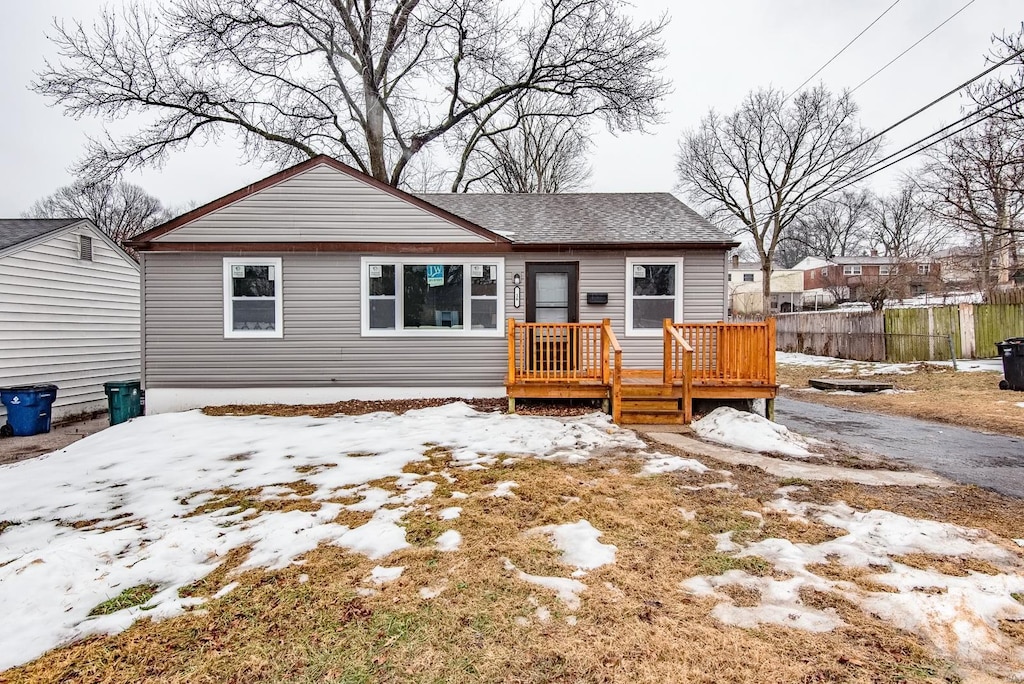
point(69, 311)
point(745, 293)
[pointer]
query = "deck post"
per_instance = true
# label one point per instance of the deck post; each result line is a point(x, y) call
point(769, 409)
point(511, 404)
point(666, 352)
point(511, 353)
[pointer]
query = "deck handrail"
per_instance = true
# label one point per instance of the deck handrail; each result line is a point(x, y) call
point(677, 358)
point(612, 347)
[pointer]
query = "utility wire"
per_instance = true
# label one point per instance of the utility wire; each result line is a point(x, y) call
point(870, 170)
point(833, 58)
point(925, 145)
point(919, 41)
point(902, 121)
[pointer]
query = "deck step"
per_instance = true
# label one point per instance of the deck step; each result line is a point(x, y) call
point(650, 403)
point(651, 417)
point(652, 390)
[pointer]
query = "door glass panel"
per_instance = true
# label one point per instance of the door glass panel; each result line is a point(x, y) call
point(552, 297)
point(552, 289)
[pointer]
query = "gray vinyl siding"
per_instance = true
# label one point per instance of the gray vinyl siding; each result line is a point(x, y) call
point(68, 322)
point(321, 205)
point(322, 344)
point(703, 293)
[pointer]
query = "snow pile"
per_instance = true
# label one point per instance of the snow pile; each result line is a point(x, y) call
point(121, 508)
point(579, 544)
point(660, 464)
point(381, 575)
point(749, 431)
point(959, 615)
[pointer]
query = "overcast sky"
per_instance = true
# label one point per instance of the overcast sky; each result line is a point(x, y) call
point(718, 50)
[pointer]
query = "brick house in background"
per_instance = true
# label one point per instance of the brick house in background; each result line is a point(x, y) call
point(869, 277)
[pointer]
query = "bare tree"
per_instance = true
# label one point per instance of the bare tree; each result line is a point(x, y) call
point(975, 180)
point(371, 82)
point(976, 184)
point(760, 167)
point(121, 210)
point(903, 228)
point(529, 153)
point(838, 225)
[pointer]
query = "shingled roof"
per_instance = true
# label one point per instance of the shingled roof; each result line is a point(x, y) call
point(605, 218)
point(16, 231)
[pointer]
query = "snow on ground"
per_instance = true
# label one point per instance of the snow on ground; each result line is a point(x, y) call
point(868, 368)
point(120, 508)
point(959, 615)
point(672, 464)
point(579, 544)
point(728, 426)
point(567, 589)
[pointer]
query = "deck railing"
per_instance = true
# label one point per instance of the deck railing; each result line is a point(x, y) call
point(560, 352)
point(731, 353)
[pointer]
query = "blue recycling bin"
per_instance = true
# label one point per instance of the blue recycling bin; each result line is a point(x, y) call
point(28, 409)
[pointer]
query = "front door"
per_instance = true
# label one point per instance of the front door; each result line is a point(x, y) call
point(552, 296)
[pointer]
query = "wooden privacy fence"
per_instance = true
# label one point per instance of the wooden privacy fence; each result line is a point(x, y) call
point(903, 335)
point(856, 335)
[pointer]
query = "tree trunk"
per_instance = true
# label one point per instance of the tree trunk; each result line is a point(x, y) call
point(766, 287)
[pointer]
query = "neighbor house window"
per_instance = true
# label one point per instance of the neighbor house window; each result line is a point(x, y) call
point(923, 269)
point(748, 277)
point(851, 270)
point(436, 296)
point(653, 293)
point(884, 270)
point(252, 298)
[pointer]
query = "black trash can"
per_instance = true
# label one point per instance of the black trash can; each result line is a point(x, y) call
point(1012, 352)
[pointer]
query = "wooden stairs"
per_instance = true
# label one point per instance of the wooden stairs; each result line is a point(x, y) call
point(647, 400)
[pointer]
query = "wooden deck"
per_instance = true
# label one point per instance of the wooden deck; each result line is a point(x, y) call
point(699, 361)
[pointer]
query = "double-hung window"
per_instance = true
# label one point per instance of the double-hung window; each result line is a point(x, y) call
point(852, 270)
point(432, 296)
point(653, 293)
point(252, 298)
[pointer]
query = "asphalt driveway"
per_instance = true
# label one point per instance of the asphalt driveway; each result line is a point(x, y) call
point(992, 461)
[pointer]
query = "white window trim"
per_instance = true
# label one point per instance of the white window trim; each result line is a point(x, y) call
point(278, 331)
point(853, 270)
point(678, 310)
point(467, 297)
point(885, 270)
point(924, 269)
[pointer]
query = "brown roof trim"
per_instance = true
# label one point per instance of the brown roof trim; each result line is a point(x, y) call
point(420, 247)
point(301, 167)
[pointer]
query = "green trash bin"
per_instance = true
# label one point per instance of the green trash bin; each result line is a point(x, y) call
point(124, 400)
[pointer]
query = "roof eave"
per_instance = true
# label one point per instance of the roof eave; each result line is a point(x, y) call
point(421, 247)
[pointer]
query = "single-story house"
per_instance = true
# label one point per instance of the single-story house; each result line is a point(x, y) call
point(69, 311)
point(321, 284)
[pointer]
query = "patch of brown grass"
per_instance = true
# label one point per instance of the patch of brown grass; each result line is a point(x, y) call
point(1013, 629)
point(249, 500)
point(972, 400)
point(635, 624)
point(744, 597)
point(838, 572)
point(957, 566)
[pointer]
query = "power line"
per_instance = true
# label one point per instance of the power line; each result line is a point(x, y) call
point(833, 58)
point(869, 171)
point(919, 41)
point(902, 121)
point(924, 146)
